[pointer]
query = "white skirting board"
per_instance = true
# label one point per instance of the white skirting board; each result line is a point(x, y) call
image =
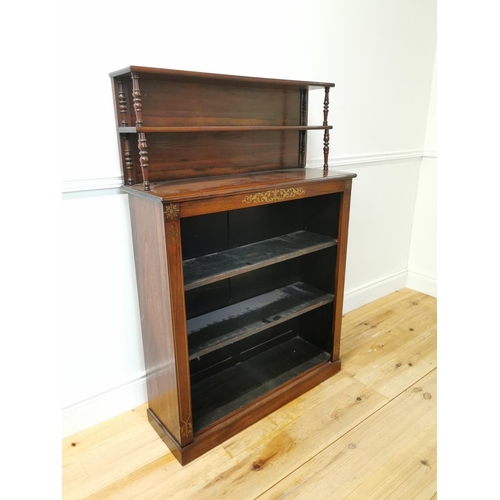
point(390, 284)
point(104, 406)
point(374, 291)
point(421, 283)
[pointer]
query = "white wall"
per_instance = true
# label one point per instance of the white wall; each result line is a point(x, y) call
point(422, 258)
point(380, 54)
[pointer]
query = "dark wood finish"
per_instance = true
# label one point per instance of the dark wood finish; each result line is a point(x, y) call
point(155, 302)
point(222, 128)
point(174, 264)
point(326, 137)
point(304, 96)
point(277, 185)
point(255, 124)
point(340, 267)
point(122, 104)
point(136, 95)
point(240, 251)
point(129, 162)
point(219, 79)
point(177, 156)
point(143, 160)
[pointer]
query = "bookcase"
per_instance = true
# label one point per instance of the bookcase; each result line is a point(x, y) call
point(239, 249)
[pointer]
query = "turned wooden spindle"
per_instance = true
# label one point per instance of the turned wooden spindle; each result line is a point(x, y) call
point(143, 158)
point(326, 138)
point(129, 164)
point(122, 104)
point(303, 133)
point(136, 94)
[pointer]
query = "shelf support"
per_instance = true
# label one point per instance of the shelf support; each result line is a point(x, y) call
point(129, 163)
point(143, 159)
point(143, 146)
point(303, 133)
point(136, 94)
point(326, 138)
point(122, 105)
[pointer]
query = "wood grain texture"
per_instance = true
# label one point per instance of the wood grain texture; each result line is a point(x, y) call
point(183, 104)
point(178, 315)
point(154, 301)
point(231, 190)
point(202, 124)
point(341, 439)
point(193, 76)
point(340, 267)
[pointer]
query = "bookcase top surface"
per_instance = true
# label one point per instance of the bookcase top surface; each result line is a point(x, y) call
point(192, 76)
point(207, 187)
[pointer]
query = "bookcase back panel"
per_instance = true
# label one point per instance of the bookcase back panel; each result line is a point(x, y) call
point(180, 104)
point(188, 155)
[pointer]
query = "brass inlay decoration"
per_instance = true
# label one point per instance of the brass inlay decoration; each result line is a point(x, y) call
point(172, 211)
point(172, 235)
point(348, 183)
point(274, 195)
point(186, 427)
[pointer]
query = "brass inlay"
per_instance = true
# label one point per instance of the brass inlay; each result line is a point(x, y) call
point(172, 211)
point(186, 427)
point(172, 235)
point(274, 195)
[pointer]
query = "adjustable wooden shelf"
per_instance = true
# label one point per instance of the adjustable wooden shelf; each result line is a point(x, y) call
point(239, 250)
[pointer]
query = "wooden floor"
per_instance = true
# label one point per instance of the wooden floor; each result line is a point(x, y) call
point(367, 433)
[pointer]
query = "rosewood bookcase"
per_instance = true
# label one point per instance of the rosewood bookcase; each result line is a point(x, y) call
point(239, 249)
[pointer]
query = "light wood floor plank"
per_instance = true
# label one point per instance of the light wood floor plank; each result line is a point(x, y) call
point(385, 412)
point(348, 463)
point(370, 316)
point(259, 466)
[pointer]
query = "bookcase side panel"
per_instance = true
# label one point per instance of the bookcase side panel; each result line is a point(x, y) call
point(155, 304)
point(340, 267)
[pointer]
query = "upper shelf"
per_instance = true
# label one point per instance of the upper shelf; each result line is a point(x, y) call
point(221, 128)
point(205, 124)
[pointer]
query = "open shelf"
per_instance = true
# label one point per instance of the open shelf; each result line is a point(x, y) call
point(235, 322)
point(232, 389)
point(217, 266)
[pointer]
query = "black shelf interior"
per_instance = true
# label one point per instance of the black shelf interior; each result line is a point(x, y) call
point(232, 323)
point(219, 395)
point(217, 266)
point(259, 292)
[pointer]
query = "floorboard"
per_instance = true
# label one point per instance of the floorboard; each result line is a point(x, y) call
point(367, 433)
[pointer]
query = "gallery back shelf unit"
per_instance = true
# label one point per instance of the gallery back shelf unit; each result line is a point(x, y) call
point(239, 250)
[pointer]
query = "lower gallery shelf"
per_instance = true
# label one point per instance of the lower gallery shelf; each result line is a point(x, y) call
point(234, 388)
